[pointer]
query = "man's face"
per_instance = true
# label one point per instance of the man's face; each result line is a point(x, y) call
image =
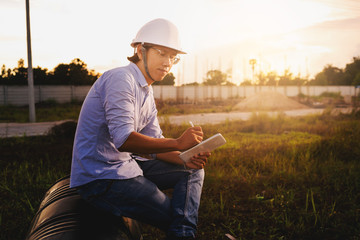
point(159, 60)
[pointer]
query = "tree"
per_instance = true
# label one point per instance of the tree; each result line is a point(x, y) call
point(298, 81)
point(286, 78)
point(356, 81)
point(5, 76)
point(61, 74)
point(320, 79)
point(169, 79)
point(191, 84)
point(78, 73)
point(261, 78)
point(252, 62)
point(19, 76)
point(329, 76)
point(41, 76)
point(351, 71)
point(334, 75)
point(215, 77)
point(75, 73)
point(3, 72)
point(271, 78)
point(247, 82)
point(228, 83)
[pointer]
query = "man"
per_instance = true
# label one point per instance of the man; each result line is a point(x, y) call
point(121, 161)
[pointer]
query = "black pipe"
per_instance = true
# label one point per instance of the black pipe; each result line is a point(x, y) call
point(64, 215)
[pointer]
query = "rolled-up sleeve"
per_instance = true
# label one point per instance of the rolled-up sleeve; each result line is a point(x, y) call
point(119, 105)
point(153, 129)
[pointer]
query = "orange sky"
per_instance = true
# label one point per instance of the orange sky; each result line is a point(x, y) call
point(300, 35)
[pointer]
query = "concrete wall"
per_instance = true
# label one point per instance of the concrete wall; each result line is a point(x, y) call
point(18, 95)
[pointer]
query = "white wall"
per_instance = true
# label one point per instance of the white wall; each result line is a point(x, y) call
point(18, 95)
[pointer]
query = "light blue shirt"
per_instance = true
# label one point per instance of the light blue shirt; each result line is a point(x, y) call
point(119, 102)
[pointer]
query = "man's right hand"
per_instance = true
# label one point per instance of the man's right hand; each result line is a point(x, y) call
point(190, 138)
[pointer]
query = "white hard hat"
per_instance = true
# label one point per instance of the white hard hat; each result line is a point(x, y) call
point(159, 32)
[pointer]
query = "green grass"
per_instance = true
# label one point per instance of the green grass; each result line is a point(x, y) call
point(52, 111)
point(169, 108)
point(276, 178)
point(44, 111)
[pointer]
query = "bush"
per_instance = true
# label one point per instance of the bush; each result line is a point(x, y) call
point(64, 130)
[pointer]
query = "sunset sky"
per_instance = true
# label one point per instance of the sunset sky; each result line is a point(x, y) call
point(300, 35)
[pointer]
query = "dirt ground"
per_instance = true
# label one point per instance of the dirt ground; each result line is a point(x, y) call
point(269, 101)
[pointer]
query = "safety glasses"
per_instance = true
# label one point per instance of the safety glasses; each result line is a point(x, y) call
point(174, 59)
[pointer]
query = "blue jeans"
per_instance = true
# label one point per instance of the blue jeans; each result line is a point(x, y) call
point(141, 197)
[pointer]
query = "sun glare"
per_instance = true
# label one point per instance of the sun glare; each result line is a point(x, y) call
point(268, 31)
point(278, 16)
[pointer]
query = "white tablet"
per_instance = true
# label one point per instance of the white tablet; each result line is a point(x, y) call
point(205, 146)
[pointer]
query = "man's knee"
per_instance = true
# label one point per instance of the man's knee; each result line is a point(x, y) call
point(197, 175)
point(198, 172)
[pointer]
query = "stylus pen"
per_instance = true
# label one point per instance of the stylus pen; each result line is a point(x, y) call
point(192, 125)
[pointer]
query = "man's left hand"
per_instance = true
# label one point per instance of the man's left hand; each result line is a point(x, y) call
point(198, 161)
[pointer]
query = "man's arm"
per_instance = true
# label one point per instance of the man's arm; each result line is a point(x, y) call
point(139, 143)
point(196, 162)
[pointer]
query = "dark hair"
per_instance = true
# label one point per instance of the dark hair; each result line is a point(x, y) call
point(135, 58)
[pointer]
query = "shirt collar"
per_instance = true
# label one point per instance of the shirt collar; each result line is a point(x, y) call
point(140, 77)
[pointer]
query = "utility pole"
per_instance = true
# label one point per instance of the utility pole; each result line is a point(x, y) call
point(195, 70)
point(253, 63)
point(32, 116)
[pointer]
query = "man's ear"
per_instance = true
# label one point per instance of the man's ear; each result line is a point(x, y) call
point(139, 52)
